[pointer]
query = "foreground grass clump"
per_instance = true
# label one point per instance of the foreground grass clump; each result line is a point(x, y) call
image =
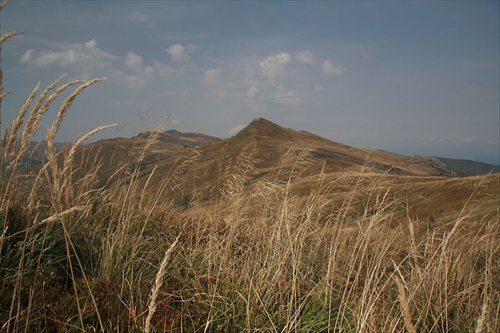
point(340, 252)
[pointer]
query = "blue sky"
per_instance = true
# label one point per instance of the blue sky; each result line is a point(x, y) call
point(409, 77)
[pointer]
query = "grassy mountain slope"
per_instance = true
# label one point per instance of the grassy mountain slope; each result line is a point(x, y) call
point(462, 167)
point(272, 230)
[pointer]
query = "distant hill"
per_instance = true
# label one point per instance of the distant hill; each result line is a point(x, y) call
point(173, 139)
point(189, 168)
point(272, 142)
point(463, 167)
point(35, 153)
point(271, 148)
point(261, 151)
point(263, 148)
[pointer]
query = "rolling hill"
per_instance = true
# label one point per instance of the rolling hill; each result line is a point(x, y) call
point(462, 167)
point(198, 167)
point(270, 143)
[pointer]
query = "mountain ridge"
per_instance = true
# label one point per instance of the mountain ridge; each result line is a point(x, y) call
point(463, 166)
point(272, 142)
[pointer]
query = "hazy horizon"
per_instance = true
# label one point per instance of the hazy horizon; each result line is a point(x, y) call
point(414, 78)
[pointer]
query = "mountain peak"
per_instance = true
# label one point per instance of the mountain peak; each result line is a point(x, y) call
point(263, 124)
point(262, 121)
point(261, 127)
point(267, 130)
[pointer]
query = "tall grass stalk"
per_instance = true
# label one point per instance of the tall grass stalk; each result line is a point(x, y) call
point(157, 284)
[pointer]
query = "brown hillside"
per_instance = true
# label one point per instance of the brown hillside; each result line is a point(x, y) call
point(141, 152)
point(194, 167)
point(264, 150)
point(274, 142)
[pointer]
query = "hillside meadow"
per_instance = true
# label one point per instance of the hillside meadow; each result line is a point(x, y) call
point(146, 241)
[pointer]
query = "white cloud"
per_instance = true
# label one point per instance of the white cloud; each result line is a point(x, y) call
point(26, 58)
point(252, 91)
point(134, 62)
point(131, 81)
point(137, 16)
point(318, 88)
point(85, 57)
point(163, 70)
point(305, 57)
point(136, 81)
point(330, 69)
point(48, 58)
point(211, 76)
point(275, 65)
point(91, 44)
point(285, 97)
point(236, 129)
point(178, 53)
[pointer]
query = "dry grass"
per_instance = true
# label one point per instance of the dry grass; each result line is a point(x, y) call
point(155, 289)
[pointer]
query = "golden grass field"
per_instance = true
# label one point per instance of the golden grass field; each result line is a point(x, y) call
point(273, 230)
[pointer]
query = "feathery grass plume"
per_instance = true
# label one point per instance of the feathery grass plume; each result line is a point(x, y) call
point(67, 170)
point(482, 318)
point(58, 216)
point(64, 107)
point(50, 151)
point(69, 158)
point(3, 4)
point(12, 136)
point(51, 133)
point(239, 173)
point(36, 114)
point(3, 39)
point(155, 289)
point(405, 308)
